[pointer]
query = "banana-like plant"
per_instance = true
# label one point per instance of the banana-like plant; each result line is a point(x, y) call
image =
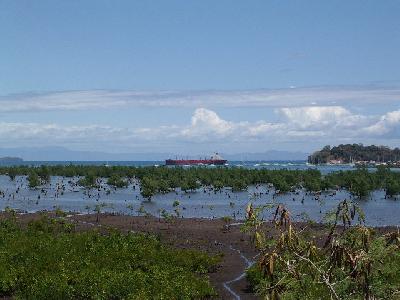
point(348, 265)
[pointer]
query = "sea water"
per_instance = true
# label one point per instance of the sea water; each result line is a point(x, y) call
point(65, 194)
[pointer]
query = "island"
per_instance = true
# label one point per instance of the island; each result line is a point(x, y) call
point(8, 160)
point(357, 154)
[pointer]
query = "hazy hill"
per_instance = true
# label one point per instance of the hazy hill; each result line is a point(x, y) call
point(10, 160)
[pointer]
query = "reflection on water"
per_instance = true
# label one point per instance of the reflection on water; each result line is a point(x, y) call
point(63, 193)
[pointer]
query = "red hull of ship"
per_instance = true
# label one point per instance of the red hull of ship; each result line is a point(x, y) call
point(181, 162)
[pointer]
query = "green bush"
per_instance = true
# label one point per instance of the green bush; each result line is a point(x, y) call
point(33, 180)
point(154, 180)
point(116, 181)
point(50, 260)
point(89, 181)
point(392, 187)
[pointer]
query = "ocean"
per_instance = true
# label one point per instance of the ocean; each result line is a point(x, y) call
point(270, 165)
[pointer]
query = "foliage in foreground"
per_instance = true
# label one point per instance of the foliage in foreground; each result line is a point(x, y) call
point(354, 262)
point(49, 260)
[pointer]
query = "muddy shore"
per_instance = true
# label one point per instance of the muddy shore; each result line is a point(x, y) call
point(216, 237)
point(211, 236)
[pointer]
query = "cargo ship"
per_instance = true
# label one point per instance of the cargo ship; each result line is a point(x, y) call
point(215, 159)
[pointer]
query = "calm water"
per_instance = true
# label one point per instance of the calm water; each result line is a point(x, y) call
point(63, 193)
point(270, 165)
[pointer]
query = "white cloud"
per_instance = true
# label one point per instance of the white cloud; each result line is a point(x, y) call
point(299, 124)
point(315, 115)
point(320, 117)
point(261, 128)
point(53, 132)
point(288, 97)
point(387, 126)
point(206, 122)
point(207, 125)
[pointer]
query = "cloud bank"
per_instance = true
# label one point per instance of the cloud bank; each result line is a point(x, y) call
point(296, 119)
point(291, 97)
point(308, 124)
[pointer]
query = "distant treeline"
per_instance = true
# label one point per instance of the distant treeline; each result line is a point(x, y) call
point(154, 180)
point(355, 152)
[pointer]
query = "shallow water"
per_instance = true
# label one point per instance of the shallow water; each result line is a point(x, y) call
point(269, 165)
point(63, 193)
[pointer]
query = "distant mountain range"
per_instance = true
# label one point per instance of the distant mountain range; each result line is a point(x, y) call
point(64, 154)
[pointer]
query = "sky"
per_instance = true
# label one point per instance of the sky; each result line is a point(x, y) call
point(199, 76)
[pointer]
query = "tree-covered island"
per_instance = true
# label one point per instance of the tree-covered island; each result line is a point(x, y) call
point(356, 153)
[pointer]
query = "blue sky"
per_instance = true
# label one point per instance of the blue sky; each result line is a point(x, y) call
point(193, 76)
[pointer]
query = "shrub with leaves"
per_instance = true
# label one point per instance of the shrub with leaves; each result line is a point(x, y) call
point(116, 181)
point(392, 187)
point(154, 180)
point(33, 180)
point(50, 260)
point(89, 181)
point(353, 262)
